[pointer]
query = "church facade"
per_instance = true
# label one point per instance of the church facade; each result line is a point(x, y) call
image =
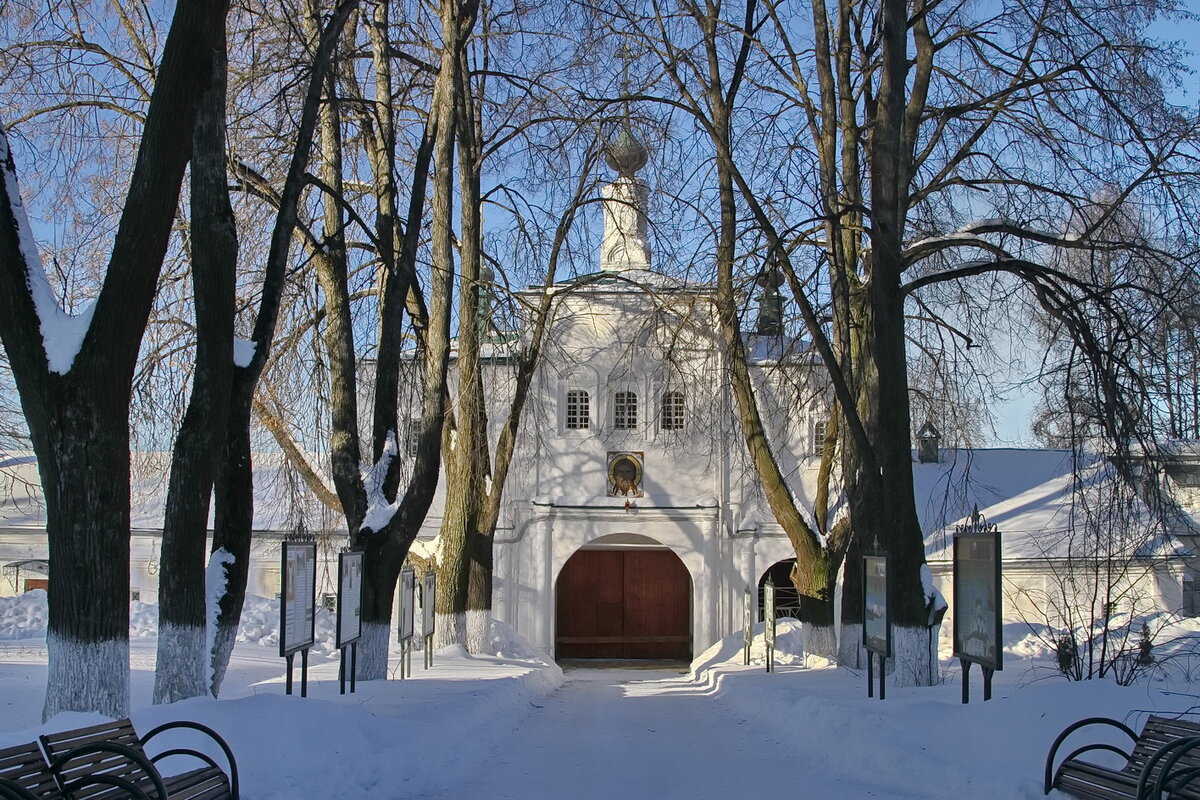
point(633, 524)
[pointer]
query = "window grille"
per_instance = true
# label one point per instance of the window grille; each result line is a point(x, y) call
point(672, 411)
point(625, 415)
point(818, 437)
point(578, 410)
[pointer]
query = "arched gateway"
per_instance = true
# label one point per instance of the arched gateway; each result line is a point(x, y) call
point(625, 599)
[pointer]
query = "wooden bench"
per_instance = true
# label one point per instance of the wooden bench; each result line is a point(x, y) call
point(109, 761)
point(24, 774)
point(1165, 757)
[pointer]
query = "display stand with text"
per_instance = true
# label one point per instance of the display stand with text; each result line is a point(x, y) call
point(769, 622)
point(349, 618)
point(428, 600)
point(297, 604)
point(877, 620)
point(408, 604)
point(747, 626)
point(977, 601)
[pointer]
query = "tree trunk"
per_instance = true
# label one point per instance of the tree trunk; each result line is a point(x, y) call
point(77, 403)
point(889, 499)
point(386, 549)
point(181, 669)
point(235, 480)
point(84, 465)
point(233, 523)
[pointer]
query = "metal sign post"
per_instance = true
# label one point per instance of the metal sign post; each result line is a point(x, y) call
point(349, 614)
point(297, 605)
point(978, 603)
point(408, 602)
point(769, 622)
point(428, 601)
point(877, 620)
point(747, 626)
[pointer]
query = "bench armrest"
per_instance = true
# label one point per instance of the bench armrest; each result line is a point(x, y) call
point(133, 755)
point(232, 770)
point(11, 790)
point(1169, 754)
point(1049, 783)
point(1182, 777)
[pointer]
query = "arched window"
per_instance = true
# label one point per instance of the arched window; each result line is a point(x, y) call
point(671, 418)
point(818, 437)
point(578, 410)
point(625, 414)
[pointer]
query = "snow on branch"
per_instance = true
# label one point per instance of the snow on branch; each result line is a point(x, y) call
point(379, 509)
point(62, 334)
point(970, 235)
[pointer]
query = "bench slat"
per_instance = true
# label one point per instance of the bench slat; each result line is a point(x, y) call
point(25, 766)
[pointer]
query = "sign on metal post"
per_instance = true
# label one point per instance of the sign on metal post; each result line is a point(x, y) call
point(408, 604)
point(877, 618)
point(747, 626)
point(297, 605)
point(428, 603)
point(769, 622)
point(978, 604)
point(349, 616)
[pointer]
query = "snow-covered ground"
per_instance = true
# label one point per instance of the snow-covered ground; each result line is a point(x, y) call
point(514, 726)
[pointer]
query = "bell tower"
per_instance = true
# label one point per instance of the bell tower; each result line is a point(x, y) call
point(625, 245)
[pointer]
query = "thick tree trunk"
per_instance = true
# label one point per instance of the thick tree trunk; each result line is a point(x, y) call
point(234, 489)
point(889, 499)
point(182, 666)
point(235, 482)
point(468, 574)
point(84, 464)
point(77, 407)
point(386, 549)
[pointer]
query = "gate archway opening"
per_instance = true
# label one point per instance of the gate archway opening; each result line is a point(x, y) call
point(623, 597)
point(787, 599)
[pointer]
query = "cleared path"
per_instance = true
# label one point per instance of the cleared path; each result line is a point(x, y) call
point(629, 734)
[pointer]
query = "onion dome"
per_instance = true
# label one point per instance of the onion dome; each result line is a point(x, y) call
point(626, 154)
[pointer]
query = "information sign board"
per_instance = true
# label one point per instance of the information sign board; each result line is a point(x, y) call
point(977, 601)
point(769, 613)
point(748, 618)
point(408, 603)
point(877, 623)
point(298, 573)
point(349, 619)
point(428, 600)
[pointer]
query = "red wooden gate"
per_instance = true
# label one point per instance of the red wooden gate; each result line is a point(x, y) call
point(624, 604)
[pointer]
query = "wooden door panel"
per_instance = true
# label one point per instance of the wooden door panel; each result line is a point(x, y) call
point(657, 605)
point(623, 604)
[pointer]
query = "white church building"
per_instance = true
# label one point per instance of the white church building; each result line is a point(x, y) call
point(633, 523)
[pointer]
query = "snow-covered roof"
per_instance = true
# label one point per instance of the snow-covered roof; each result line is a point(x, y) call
point(279, 502)
point(1045, 503)
point(1029, 494)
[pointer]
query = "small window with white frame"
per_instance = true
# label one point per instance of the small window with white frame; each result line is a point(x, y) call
point(579, 410)
point(671, 416)
point(625, 411)
point(818, 437)
point(412, 438)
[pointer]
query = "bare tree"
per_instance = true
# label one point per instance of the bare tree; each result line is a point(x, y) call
point(75, 395)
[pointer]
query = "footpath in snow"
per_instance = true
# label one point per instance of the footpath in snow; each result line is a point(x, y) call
point(636, 734)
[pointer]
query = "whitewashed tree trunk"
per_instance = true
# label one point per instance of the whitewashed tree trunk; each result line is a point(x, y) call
point(850, 648)
point(820, 641)
point(373, 649)
point(910, 657)
point(87, 675)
